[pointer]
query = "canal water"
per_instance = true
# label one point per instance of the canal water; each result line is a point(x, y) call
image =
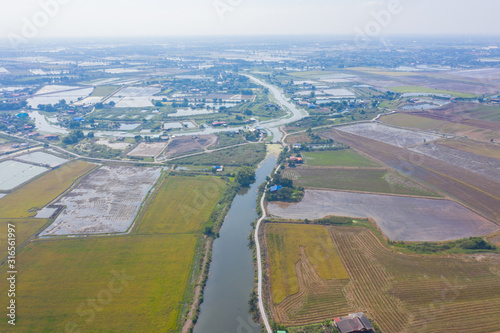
point(225, 307)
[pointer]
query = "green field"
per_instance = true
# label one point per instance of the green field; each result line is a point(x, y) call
point(250, 155)
point(24, 228)
point(347, 158)
point(364, 180)
point(483, 112)
point(41, 191)
point(103, 91)
point(418, 89)
point(61, 279)
point(182, 205)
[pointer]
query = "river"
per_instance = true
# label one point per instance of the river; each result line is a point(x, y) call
point(225, 307)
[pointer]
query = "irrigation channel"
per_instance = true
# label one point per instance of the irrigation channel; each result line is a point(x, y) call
point(231, 279)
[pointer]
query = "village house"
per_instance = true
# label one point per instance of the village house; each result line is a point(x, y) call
point(354, 323)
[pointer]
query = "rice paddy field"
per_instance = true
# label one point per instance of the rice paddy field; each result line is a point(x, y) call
point(106, 201)
point(470, 188)
point(365, 180)
point(71, 285)
point(343, 158)
point(441, 126)
point(299, 256)
point(399, 292)
point(42, 158)
point(181, 205)
point(390, 135)
point(14, 173)
point(23, 202)
point(486, 166)
point(25, 228)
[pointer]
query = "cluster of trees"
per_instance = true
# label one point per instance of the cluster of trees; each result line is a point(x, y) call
point(471, 243)
point(288, 192)
point(13, 106)
point(246, 176)
point(74, 137)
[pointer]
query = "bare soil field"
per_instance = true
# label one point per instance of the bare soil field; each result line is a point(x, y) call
point(400, 218)
point(148, 149)
point(474, 190)
point(298, 138)
point(419, 120)
point(106, 201)
point(479, 148)
point(5, 148)
point(187, 144)
point(486, 166)
point(394, 136)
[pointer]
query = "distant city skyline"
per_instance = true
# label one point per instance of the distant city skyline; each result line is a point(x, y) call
point(113, 18)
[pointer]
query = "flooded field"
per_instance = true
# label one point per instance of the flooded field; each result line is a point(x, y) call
point(400, 218)
point(134, 97)
point(42, 158)
point(106, 201)
point(69, 96)
point(148, 149)
point(14, 173)
point(394, 136)
point(486, 166)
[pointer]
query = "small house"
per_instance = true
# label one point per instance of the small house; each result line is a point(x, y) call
point(275, 188)
point(78, 119)
point(297, 146)
point(296, 159)
point(354, 323)
point(51, 137)
point(218, 168)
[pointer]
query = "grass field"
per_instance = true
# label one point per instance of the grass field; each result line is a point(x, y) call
point(475, 147)
point(71, 282)
point(284, 242)
point(24, 228)
point(41, 191)
point(365, 180)
point(103, 91)
point(400, 292)
point(484, 112)
point(347, 158)
point(182, 205)
point(418, 89)
point(250, 155)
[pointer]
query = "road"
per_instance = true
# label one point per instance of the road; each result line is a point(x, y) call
point(293, 113)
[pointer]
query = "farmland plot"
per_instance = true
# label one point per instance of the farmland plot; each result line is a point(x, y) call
point(486, 166)
point(14, 173)
point(42, 158)
point(400, 292)
point(400, 218)
point(106, 201)
point(148, 149)
point(134, 97)
point(187, 144)
point(394, 136)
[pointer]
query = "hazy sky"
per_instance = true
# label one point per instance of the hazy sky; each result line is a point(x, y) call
point(246, 17)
